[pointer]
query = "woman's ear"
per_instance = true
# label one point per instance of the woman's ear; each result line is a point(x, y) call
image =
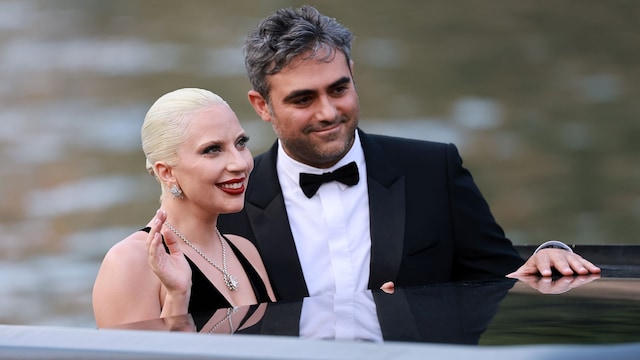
point(259, 105)
point(164, 172)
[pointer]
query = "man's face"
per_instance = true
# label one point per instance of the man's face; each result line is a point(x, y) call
point(314, 109)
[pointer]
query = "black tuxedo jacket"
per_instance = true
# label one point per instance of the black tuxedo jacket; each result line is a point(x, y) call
point(429, 222)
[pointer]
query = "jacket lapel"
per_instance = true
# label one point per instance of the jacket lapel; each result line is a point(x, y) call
point(387, 213)
point(268, 218)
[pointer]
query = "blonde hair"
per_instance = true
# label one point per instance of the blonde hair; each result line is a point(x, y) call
point(164, 126)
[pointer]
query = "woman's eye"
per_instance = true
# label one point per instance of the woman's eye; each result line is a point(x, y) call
point(242, 142)
point(211, 149)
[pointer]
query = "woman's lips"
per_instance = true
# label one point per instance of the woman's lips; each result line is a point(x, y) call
point(233, 187)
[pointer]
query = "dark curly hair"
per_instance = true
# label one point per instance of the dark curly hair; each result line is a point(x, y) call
point(287, 34)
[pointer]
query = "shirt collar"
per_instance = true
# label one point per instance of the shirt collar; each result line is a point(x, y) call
point(291, 169)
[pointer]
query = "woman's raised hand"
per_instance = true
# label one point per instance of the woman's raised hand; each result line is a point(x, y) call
point(171, 267)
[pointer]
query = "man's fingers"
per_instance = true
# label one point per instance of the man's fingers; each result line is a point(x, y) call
point(566, 263)
point(591, 268)
point(580, 266)
point(388, 287)
point(543, 265)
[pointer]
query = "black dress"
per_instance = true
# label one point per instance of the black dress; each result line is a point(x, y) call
point(205, 296)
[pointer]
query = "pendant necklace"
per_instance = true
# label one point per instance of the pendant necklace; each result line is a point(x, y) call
point(229, 280)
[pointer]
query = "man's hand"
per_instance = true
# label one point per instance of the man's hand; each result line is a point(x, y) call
point(388, 287)
point(565, 262)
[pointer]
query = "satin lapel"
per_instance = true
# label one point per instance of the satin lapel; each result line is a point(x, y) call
point(268, 218)
point(387, 213)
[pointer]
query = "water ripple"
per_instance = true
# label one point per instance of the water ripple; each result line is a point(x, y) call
point(86, 194)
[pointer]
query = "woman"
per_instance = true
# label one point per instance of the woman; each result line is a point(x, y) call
point(180, 263)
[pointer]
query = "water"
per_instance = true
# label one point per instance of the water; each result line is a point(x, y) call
point(540, 98)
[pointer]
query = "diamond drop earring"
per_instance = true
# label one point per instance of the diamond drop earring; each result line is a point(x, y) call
point(176, 192)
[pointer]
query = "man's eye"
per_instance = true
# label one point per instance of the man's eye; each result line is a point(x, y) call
point(340, 90)
point(303, 101)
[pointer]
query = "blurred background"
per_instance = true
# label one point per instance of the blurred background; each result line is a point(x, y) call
point(540, 96)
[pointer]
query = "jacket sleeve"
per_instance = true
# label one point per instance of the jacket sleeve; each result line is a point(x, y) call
point(481, 249)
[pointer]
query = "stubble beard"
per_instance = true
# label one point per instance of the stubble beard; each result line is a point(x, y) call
point(320, 153)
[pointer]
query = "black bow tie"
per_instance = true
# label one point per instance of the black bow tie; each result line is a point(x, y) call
point(348, 175)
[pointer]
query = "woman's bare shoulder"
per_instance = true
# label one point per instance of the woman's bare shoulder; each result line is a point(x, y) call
point(133, 246)
point(126, 289)
point(128, 256)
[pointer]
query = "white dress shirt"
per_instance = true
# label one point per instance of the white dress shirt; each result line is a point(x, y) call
point(333, 240)
point(331, 229)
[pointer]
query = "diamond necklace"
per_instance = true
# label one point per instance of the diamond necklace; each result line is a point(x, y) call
point(229, 280)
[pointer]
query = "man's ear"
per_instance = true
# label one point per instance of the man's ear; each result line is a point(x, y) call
point(259, 105)
point(353, 79)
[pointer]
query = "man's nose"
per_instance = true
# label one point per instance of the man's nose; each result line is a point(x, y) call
point(326, 109)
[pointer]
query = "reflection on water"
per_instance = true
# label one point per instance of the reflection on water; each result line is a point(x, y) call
point(539, 98)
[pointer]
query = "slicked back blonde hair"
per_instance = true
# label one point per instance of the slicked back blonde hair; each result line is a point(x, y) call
point(164, 126)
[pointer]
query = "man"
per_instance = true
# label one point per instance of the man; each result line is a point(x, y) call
point(402, 211)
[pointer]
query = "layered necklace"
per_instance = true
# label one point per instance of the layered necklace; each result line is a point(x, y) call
point(229, 280)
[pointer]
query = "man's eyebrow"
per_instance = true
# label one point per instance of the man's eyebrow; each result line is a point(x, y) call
point(343, 80)
point(296, 94)
point(306, 92)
